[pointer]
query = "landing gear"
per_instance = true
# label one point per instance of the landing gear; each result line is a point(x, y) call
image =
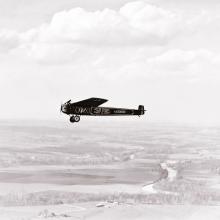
point(75, 118)
point(72, 119)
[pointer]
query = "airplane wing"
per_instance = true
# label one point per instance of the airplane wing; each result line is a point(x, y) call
point(93, 102)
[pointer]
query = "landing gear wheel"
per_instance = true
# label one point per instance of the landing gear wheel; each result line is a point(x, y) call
point(72, 119)
point(77, 118)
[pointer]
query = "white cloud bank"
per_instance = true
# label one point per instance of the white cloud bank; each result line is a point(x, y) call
point(132, 40)
point(70, 33)
point(136, 23)
point(189, 65)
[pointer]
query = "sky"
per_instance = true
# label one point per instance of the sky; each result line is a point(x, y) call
point(164, 54)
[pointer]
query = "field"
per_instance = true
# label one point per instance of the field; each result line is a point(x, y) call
point(103, 170)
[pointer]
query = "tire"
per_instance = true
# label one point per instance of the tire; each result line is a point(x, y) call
point(77, 118)
point(72, 119)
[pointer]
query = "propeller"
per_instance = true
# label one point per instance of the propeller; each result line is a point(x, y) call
point(61, 104)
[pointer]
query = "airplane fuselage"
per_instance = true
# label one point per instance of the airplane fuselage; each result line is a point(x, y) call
point(100, 111)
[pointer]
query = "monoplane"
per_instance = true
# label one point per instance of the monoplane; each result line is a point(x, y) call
point(91, 107)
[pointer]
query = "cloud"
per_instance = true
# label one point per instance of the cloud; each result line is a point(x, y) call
point(8, 40)
point(135, 24)
point(177, 60)
point(72, 35)
point(189, 65)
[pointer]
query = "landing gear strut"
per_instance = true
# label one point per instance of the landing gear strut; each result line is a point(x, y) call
point(75, 118)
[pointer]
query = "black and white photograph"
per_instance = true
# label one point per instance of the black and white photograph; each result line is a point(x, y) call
point(110, 110)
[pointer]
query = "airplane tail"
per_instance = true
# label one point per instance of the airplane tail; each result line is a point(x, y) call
point(141, 109)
